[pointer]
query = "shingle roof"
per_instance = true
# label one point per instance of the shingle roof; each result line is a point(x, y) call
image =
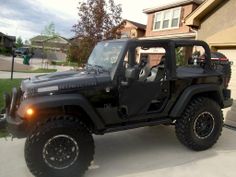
point(13, 38)
point(41, 38)
point(139, 25)
point(171, 5)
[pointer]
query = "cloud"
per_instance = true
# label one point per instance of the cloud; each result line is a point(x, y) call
point(22, 16)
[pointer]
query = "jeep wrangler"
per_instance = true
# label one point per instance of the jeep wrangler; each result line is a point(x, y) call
point(125, 84)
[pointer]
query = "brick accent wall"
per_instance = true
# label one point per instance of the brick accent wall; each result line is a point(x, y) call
point(185, 11)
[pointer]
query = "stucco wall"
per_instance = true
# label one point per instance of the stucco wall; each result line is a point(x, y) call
point(219, 20)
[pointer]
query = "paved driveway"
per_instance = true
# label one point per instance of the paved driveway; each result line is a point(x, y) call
point(144, 152)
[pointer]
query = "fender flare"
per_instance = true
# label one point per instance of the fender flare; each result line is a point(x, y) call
point(191, 91)
point(47, 102)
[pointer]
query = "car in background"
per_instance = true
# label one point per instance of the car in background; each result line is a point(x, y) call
point(21, 51)
point(24, 51)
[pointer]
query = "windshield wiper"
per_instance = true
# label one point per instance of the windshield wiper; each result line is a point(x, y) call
point(97, 68)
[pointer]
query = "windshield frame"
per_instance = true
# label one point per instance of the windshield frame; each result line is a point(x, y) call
point(111, 69)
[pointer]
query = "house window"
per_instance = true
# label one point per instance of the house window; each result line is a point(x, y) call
point(167, 19)
point(157, 21)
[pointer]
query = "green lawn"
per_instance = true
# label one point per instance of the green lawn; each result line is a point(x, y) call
point(64, 63)
point(6, 86)
point(3, 133)
point(40, 70)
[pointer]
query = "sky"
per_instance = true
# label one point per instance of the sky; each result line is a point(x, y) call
point(27, 18)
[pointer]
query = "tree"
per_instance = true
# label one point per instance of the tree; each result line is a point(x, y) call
point(27, 42)
point(98, 19)
point(19, 42)
point(49, 30)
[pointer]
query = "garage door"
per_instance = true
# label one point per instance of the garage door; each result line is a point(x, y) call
point(231, 54)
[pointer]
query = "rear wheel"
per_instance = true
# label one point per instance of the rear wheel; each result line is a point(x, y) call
point(200, 125)
point(61, 147)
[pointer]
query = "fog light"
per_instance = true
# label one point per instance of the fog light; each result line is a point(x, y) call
point(29, 112)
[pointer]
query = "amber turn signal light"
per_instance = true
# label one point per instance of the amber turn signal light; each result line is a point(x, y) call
point(29, 111)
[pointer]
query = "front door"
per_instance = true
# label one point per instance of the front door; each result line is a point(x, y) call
point(148, 94)
point(143, 98)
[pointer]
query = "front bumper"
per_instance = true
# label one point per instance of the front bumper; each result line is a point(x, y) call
point(3, 122)
point(15, 125)
point(228, 103)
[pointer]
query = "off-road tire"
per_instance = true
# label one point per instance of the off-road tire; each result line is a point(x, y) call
point(186, 125)
point(62, 126)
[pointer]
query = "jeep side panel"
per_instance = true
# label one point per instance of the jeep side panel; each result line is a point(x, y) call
point(55, 101)
point(194, 90)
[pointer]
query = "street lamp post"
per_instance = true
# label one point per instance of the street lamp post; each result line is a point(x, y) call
point(12, 62)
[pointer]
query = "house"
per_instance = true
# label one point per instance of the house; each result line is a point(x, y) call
point(54, 48)
point(167, 21)
point(6, 41)
point(215, 23)
point(131, 29)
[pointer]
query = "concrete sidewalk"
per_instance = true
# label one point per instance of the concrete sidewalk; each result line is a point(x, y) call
point(17, 75)
point(143, 152)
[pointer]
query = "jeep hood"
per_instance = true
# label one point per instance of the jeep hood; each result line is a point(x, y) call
point(67, 80)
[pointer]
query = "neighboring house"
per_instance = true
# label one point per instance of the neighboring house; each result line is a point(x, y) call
point(168, 21)
point(131, 29)
point(75, 40)
point(7, 41)
point(216, 24)
point(53, 48)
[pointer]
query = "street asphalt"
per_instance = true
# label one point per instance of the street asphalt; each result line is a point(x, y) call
point(34, 63)
point(144, 152)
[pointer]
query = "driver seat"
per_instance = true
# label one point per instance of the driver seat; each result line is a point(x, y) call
point(144, 68)
point(157, 72)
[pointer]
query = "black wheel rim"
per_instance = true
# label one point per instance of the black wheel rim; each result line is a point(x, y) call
point(204, 125)
point(60, 152)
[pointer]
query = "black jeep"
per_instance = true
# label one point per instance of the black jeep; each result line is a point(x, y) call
point(126, 84)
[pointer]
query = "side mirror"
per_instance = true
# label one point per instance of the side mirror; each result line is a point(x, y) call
point(131, 73)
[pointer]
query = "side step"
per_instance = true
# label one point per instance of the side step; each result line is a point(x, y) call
point(128, 126)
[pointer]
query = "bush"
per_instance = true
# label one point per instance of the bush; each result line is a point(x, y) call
point(5, 51)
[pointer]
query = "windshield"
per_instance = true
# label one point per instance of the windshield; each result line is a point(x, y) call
point(105, 54)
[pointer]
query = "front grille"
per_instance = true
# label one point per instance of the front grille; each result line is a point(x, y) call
point(15, 100)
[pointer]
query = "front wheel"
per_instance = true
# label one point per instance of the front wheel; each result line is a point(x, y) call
point(61, 147)
point(200, 125)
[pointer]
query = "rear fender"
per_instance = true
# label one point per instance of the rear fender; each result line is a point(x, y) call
point(208, 90)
